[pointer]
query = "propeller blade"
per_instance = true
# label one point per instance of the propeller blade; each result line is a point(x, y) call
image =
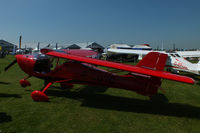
point(11, 64)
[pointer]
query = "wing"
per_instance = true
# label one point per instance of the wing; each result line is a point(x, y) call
point(81, 52)
point(130, 68)
point(189, 53)
point(129, 51)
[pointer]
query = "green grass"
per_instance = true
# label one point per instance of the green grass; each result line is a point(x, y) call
point(89, 109)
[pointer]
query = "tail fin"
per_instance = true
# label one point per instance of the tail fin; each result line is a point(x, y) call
point(153, 61)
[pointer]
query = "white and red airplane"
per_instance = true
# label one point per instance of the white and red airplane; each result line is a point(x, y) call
point(175, 61)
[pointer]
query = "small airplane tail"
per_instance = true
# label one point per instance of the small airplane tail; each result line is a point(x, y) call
point(154, 61)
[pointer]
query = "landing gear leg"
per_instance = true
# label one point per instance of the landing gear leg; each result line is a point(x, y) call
point(40, 95)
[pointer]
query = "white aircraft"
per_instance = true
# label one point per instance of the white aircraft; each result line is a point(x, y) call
point(186, 54)
point(175, 62)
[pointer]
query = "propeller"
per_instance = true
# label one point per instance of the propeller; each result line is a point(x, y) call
point(11, 64)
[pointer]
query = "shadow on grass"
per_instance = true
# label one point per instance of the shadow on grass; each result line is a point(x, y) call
point(5, 83)
point(141, 106)
point(10, 95)
point(157, 106)
point(4, 117)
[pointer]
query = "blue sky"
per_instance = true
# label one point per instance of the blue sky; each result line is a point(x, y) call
point(103, 21)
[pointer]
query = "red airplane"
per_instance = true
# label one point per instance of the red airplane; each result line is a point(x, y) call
point(80, 67)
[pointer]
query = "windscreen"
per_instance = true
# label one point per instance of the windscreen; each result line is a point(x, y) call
point(42, 64)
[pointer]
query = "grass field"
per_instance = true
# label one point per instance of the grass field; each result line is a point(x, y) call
point(90, 109)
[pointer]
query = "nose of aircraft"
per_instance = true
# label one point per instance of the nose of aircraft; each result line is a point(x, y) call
point(26, 63)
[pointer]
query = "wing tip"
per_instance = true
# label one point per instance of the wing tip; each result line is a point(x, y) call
point(187, 80)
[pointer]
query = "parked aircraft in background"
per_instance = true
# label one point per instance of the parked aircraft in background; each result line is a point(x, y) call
point(175, 62)
point(37, 49)
point(50, 46)
point(80, 68)
point(189, 54)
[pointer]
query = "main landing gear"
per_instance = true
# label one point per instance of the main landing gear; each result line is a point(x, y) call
point(40, 96)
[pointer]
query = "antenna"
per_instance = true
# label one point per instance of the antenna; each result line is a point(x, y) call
point(20, 41)
point(174, 47)
point(38, 47)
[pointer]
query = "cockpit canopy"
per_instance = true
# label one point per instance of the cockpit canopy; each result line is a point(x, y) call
point(42, 64)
